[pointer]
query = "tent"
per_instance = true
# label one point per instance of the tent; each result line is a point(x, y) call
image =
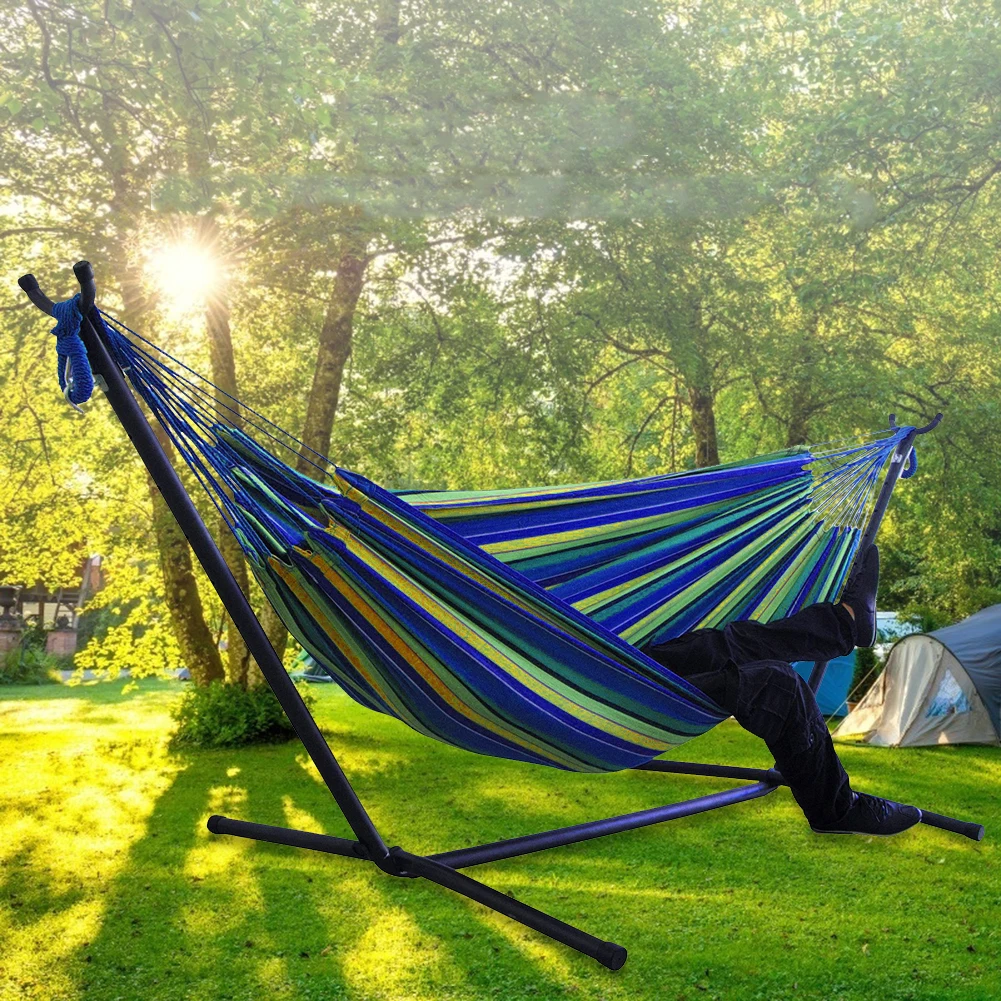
point(938, 688)
point(832, 696)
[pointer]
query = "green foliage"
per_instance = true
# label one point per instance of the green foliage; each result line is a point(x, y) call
point(132, 630)
point(220, 715)
point(867, 669)
point(576, 225)
point(28, 663)
point(29, 667)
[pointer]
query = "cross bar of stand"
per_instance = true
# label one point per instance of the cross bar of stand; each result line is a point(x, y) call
point(512, 847)
point(609, 954)
point(287, 836)
point(443, 868)
point(772, 775)
point(509, 848)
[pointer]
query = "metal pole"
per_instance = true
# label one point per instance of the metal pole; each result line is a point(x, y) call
point(817, 675)
point(609, 954)
point(713, 771)
point(897, 460)
point(287, 836)
point(512, 847)
point(900, 454)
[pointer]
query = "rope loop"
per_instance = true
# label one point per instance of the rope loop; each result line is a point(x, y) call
point(76, 379)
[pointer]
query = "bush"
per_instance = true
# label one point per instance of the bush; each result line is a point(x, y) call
point(28, 663)
point(28, 666)
point(219, 715)
point(868, 668)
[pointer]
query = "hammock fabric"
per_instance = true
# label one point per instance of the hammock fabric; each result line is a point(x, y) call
point(509, 622)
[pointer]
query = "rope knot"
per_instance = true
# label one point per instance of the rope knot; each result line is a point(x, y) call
point(73, 367)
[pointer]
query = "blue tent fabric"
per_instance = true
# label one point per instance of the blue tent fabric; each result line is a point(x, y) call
point(832, 697)
point(976, 644)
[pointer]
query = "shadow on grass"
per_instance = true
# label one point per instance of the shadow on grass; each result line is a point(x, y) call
point(246, 920)
point(743, 902)
point(28, 892)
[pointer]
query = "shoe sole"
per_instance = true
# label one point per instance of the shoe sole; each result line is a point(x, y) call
point(868, 834)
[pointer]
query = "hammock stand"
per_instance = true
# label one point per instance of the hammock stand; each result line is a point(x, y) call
point(442, 868)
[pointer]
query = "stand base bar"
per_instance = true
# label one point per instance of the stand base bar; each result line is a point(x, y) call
point(287, 836)
point(975, 832)
point(608, 954)
point(442, 868)
point(512, 847)
point(772, 775)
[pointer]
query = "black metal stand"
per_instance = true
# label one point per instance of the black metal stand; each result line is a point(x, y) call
point(442, 868)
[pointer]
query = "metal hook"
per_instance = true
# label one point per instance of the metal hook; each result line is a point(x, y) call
point(68, 379)
point(912, 456)
point(930, 426)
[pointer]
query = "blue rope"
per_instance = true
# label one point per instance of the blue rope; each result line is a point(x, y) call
point(217, 391)
point(75, 377)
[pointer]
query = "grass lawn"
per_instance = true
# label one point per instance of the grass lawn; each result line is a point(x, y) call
point(111, 888)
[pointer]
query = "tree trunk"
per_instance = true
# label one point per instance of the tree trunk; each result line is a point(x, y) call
point(241, 669)
point(796, 430)
point(702, 403)
point(801, 404)
point(198, 648)
point(701, 396)
point(331, 358)
point(187, 615)
point(387, 22)
point(333, 353)
point(337, 331)
point(338, 321)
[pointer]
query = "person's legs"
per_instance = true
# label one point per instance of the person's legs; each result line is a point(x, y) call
point(818, 632)
point(774, 703)
point(745, 668)
point(741, 668)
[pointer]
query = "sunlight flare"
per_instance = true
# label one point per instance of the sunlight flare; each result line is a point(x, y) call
point(184, 273)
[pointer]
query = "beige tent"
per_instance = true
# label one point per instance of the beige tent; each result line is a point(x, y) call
point(937, 688)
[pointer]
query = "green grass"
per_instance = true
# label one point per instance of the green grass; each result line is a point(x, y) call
point(111, 888)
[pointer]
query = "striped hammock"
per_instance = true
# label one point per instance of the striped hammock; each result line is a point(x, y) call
point(511, 622)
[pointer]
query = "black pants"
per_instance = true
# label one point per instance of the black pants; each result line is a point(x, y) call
point(745, 668)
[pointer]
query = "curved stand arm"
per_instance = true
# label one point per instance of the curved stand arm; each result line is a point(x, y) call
point(30, 288)
point(88, 289)
point(930, 426)
point(912, 455)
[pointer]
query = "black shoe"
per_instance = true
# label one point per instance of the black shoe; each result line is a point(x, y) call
point(872, 815)
point(860, 594)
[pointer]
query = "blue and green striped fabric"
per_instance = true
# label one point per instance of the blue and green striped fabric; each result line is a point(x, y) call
point(510, 622)
point(653, 558)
